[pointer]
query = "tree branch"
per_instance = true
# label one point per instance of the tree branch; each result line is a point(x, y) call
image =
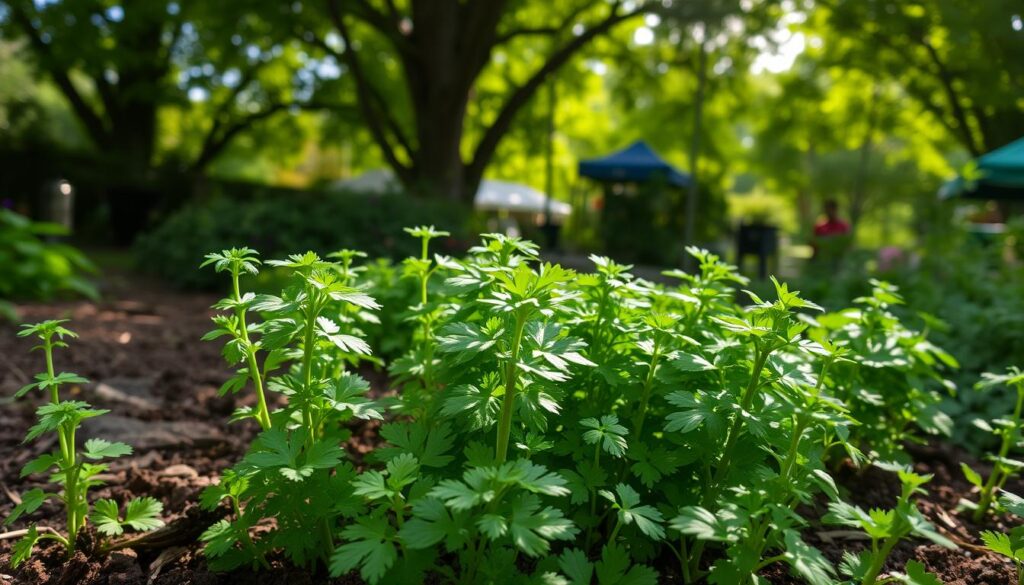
point(567, 21)
point(527, 31)
point(93, 122)
point(221, 134)
point(946, 79)
point(521, 96)
point(372, 105)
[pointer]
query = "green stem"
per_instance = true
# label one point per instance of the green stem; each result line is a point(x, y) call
point(615, 531)
point(712, 491)
point(648, 383)
point(508, 401)
point(66, 437)
point(878, 558)
point(262, 412)
point(246, 538)
point(307, 365)
point(996, 477)
point(760, 357)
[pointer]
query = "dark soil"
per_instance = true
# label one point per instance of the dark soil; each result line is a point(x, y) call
point(141, 350)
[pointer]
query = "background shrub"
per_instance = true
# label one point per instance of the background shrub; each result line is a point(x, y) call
point(278, 224)
point(32, 268)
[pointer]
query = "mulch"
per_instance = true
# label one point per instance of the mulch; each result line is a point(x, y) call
point(140, 348)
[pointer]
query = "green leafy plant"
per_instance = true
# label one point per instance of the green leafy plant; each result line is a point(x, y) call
point(1008, 430)
point(887, 528)
point(892, 378)
point(1010, 544)
point(33, 268)
point(295, 470)
point(72, 469)
point(540, 406)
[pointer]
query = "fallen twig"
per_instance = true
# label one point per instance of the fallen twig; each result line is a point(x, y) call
point(24, 531)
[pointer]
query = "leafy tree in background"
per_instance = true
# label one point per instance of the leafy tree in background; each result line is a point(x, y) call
point(439, 49)
point(123, 66)
point(962, 60)
point(118, 63)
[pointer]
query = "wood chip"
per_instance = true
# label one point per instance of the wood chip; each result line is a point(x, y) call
point(179, 470)
point(14, 496)
point(947, 519)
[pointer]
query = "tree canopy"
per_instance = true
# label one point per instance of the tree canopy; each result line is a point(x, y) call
point(804, 100)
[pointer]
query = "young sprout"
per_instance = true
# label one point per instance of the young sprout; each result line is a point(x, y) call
point(236, 261)
point(70, 468)
point(1009, 432)
point(886, 528)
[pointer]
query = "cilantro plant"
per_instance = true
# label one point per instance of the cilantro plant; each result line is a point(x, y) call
point(887, 528)
point(294, 471)
point(419, 363)
point(891, 381)
point(73, 470)
point(1008, 430)
point(1010, 544)
point(554, 426)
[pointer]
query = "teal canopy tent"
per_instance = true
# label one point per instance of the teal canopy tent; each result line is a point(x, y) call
point(1000, 175)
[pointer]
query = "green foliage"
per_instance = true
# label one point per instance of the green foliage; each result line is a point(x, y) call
point(1011, 544)
point(1008, 430)
point(70, 468)
point(32, 268)
point(539, 406)
point(301, 346)
point(886, 528)
point(278, 224)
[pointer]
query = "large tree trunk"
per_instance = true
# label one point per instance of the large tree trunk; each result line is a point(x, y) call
point(443, 46)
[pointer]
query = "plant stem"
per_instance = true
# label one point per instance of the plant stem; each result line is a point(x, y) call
point(66, 436)
point(760, 357)
point(878, 558)
point(307, 365)
point(247, 539)
point(642, 413)
point(508, 401)
point(996, 477)
point(711, 493)
point(262, 413)
point(615, 531)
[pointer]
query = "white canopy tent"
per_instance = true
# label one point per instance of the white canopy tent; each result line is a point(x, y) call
point(492, 196)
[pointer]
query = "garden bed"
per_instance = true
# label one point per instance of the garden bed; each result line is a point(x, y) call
point(141, 351)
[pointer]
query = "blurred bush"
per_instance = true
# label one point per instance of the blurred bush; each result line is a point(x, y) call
point(32, 268)
point(281, 224)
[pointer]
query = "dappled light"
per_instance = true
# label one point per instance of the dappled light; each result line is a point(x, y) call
point(586, 292)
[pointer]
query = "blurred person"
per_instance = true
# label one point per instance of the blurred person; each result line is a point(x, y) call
point(831, 232)
point(831, 225)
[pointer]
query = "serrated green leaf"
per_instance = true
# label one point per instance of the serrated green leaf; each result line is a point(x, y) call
point(100, 448)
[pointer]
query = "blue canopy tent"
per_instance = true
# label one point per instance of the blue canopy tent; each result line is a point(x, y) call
point(1001, 176)
point(636, 163)
point(650, 203)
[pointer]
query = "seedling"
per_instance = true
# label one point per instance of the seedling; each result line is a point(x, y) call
point(1009, 432)
point(70, 468)
point(1011, 544)
point(887, 528)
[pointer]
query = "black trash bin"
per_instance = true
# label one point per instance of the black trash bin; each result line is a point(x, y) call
point(758, 239)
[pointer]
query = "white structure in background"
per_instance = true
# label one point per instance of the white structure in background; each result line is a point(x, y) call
point(499, 196)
